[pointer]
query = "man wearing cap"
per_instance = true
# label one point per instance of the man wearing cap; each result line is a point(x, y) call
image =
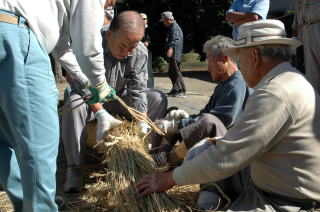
point(174, 48)
point(244, 11)
point(277, 134)
point(146, 40)
point(306, 26)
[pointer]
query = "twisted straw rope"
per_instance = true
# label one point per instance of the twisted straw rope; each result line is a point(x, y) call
point(137, 115)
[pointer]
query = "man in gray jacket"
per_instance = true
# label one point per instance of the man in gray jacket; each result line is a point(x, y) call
point(125, 59)
point(174, 48)
point(277, 134)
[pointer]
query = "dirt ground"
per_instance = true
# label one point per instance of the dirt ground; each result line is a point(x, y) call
point(199, 89)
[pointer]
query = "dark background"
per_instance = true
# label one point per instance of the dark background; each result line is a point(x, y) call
point(198, 19)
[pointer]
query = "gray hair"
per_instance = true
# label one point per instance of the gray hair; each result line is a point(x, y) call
point(274, 51)
point(217, 44)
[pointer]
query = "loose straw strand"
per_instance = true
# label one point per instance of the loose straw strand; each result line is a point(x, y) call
point(140, 116)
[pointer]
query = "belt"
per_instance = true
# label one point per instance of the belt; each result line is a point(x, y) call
point(10, 19)
point(305, 204)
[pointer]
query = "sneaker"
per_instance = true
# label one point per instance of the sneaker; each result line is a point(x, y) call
point(73, 183)
point(180, 95)
point(209, 201)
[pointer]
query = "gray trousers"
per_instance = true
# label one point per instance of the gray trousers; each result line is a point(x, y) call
point(73, 130)
point(309, 36)
point(207, 125)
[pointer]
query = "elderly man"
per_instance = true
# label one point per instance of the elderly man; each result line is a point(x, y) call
point(225, 104)
point(277, 134)
point(125, 59)
point(174, 48)
point(244, 11)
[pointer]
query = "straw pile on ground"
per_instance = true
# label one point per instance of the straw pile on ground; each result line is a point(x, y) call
point(127, 161)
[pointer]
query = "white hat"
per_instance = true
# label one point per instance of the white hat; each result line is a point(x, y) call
point(143, 16)
point(261, 32)
point(166, 15)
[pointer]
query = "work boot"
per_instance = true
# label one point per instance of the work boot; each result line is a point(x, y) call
point(73, 182)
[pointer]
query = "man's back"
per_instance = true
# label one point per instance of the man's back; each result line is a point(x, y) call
point(291, 166)
point(175, 40)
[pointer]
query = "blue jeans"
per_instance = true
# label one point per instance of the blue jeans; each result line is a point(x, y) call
point(29, 127)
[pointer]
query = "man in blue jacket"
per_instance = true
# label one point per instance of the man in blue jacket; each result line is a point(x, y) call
point(225, 104)
point(174, 47)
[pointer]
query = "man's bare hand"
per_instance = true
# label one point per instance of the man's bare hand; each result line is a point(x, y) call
point(152, 183)
point(170, 52)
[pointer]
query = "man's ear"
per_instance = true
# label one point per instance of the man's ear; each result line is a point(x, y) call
point(108, 34)
point(256, 58)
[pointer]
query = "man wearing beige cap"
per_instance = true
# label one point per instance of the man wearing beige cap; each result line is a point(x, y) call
point(277, 134)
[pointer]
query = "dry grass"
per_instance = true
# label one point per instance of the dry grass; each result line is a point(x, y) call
point(127, 161)
point(111, 186)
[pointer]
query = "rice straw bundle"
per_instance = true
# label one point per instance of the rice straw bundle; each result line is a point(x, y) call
point(127, 161)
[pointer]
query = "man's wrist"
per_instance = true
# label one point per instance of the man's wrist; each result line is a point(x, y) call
point(96, 107)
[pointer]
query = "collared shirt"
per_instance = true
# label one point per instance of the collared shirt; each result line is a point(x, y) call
point(226, 102)
point(174, 40)
point(259, 7)
point(129, 76)
point(55, 22)
point(277, 134)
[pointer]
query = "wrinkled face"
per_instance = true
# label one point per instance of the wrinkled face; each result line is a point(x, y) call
point(247, 64)
point(123, 43)
point(216, 67)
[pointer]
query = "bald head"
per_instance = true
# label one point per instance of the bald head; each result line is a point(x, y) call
point(128, 21)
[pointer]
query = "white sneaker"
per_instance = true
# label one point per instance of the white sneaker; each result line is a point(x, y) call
point(73, 182)
point(209, 201)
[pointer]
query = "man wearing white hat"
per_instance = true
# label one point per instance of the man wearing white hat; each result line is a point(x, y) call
point(277, 134)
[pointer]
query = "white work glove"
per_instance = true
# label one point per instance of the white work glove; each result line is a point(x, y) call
point(144, 128)
point(169, 127)
point(105, 122)
point(177, 115)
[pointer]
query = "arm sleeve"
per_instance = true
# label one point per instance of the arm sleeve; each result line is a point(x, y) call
point(254, 134)
point(86, 21)
point(173, 38)
point(228, 103)
point(261, 8)
point(233, 6)
point(137, 81)
point(69, 62)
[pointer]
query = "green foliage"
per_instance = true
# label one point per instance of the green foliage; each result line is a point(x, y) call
point(159, 65)
point(199, 19)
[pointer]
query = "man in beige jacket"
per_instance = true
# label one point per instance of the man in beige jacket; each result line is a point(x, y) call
point(277, 134)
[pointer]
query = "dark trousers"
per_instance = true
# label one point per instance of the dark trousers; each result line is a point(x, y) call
point(176, 76)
